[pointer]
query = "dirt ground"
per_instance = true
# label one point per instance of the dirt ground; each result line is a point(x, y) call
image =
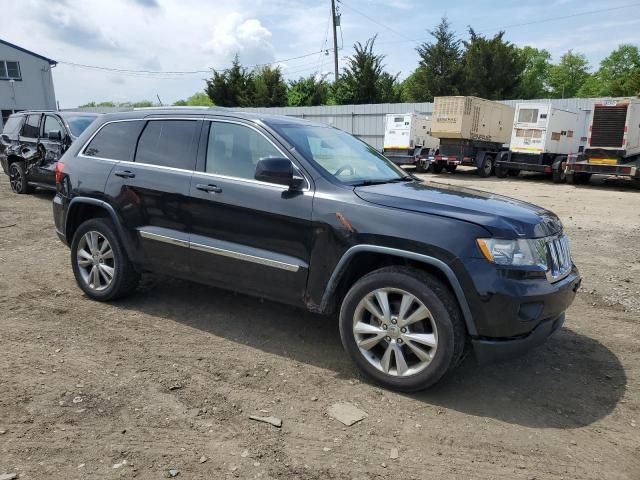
point(166, 379)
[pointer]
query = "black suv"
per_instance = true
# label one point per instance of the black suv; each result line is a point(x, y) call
point(308, 215)
point(33, 141)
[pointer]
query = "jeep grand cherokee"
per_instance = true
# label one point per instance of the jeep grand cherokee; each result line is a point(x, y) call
point(418, 272)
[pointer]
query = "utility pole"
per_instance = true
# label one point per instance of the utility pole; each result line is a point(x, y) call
point(335, 38)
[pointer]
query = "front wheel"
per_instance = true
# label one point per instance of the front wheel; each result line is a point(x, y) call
point(402, 327)
point(100, 264)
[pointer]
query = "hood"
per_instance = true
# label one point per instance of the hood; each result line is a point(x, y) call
point(504, 217)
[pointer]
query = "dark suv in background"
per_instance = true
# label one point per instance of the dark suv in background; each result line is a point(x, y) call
point(33, 141)
point(308, 215)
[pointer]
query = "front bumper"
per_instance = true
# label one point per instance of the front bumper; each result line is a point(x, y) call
point(497, 350)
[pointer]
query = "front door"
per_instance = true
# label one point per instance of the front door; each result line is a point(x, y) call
point(246, 235)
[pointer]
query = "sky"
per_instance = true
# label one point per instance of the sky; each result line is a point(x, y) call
point(197, 35)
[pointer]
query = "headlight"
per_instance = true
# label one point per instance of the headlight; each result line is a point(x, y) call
point(521, 252)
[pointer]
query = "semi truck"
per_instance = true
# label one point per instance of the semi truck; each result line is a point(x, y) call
point(542, 138)
point(472, 132)
point(407, 139)
point(613, 144)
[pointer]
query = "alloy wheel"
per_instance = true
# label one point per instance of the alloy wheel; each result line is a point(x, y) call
point(15, 178)
point(395, 332)
point(95, 259)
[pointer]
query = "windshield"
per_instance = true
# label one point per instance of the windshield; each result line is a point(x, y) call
point(79, 124)
point(343, 156)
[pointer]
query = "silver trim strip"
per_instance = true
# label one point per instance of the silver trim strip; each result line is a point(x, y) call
point(220, 251)
point(164, 239)
point(245, 257)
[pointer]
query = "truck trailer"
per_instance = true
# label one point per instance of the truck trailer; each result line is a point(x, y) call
point(613, 144)
point(407, 139)
point(542, 138)
point(472, 131)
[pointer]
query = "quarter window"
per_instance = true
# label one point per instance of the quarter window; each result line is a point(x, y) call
point(31, 127)
point(115, 141)
point(13, 124)
point(10, 70)
point(168, 143)
point(234, 150)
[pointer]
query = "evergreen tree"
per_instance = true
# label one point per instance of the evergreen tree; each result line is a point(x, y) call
point(493, 68)
point(440, 69)
point(231, 88)
point(307, 92)
point(269, 88)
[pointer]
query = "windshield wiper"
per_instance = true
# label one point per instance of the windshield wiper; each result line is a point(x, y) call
point(366, 183)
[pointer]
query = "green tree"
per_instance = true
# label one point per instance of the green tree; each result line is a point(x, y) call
point(537, 64)
point(307, 92)
point(269, 88)
point(232, 87)
point(142, 104)
point(567, 77)
point(199, 99)
point(493, 67)
point(440, 69)
point(414, 87)
point(364, 80)
point(618, 75)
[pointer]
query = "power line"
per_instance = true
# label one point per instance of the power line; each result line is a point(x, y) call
point(341, 2)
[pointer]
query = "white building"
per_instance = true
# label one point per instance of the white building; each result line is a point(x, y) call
point(26, 82)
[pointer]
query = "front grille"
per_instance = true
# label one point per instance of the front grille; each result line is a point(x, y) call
point(607, 128)
point(559, 257)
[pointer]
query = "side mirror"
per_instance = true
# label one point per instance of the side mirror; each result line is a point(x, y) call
point(55, 135)
point(280, 171)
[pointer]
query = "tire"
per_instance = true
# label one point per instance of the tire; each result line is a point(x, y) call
point(437, 167)
point(501, 172)
point(18, 178)
point(558, 175)
point(443, 323)
point(486, 167)
point(420, 167)
point(451, 168)
point(124, 278)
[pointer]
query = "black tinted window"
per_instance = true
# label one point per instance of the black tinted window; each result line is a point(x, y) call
point(234, 150)
point(116, 141)
point(168, 143)
point(31, 127)
point(13, 124)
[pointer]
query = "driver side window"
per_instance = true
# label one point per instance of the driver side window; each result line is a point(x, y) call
point(234, 150)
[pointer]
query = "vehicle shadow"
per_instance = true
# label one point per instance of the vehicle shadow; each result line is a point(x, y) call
point(571, 381)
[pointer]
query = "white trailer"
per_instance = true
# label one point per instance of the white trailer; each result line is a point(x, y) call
point(541, 139)
point(408, 140)
point(613, 146)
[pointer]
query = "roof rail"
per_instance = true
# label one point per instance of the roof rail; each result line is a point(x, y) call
point(173, 107)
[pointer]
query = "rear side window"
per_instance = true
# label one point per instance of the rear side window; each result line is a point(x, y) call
point(168, 143)
point(31, 127)
point(13, 124)
point(115, 141)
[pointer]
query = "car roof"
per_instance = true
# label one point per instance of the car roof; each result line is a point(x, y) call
point(267, 118)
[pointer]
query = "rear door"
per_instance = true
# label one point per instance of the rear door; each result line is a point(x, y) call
point(247, 235)
point(51, 149)
point(28, 144)
point(152, 187)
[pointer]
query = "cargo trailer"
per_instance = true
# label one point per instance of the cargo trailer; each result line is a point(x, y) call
point(472, 131)
point(613, 144)
point(542, 138)
point(407, 139)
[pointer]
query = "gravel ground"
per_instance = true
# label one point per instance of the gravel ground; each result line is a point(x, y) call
point(163, 383)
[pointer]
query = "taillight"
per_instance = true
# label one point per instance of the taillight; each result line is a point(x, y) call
point(58, 172)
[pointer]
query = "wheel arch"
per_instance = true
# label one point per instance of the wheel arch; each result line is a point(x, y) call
point(85, 208)
point(362, 259)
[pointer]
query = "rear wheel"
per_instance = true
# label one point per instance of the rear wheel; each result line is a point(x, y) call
point(437, 167)
point(402, 327)
point(558, 175)
point(18, 178)
point(451, 168)
point(486, 167)
point(100, 264)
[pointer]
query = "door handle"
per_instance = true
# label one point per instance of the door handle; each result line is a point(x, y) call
point(124, 174)
point(209, 188)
